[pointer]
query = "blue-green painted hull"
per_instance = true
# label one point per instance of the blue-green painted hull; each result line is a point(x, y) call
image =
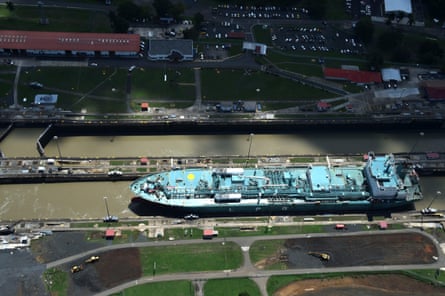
point(143, 207)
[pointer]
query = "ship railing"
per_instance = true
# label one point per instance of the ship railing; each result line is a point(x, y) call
point(282, 185)
point(322, 199)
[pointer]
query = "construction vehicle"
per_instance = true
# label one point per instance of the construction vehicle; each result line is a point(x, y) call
point(76, 268)
point(92, 259)
point(322, 256)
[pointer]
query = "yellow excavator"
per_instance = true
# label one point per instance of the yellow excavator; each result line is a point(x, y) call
point(322, 256)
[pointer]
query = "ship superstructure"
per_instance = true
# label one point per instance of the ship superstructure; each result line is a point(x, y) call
point(379, 185)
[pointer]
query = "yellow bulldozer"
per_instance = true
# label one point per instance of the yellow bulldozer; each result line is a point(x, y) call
point(321, 256)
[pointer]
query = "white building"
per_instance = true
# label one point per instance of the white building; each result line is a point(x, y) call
point(170, 50)
point(258, 48)
point(398, 6)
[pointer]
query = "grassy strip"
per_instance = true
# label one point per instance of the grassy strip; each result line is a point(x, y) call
point(56, 281)
point(262, 35)
point(266, 230)
point(232, 286)
point(276, 282)
point(59, 19)
point(188, 258)
point(170, 288)
point(232, 85)
point(260, 250)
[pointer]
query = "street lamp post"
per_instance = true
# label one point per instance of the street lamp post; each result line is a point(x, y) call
point(56, 138)
point(250, 147)
point(106, 206)
point(421, 134)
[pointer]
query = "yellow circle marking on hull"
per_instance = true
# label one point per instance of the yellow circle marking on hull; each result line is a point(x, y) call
point(191, 176)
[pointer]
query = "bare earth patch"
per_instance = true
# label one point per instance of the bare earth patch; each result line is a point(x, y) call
point(112, 269)
point(390, 248)
point(372, 285)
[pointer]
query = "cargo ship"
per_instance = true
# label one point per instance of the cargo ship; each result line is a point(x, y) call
point(377, 186)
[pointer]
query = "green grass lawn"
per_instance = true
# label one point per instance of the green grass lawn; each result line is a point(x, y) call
point(95, 89)
point(188, 258)
point(60, 19)
point(103, 90)
point(335, 10)
point(231, 287)
point(232, 85)
point(56, 281)
point(170, 288)
point(264, 249)
point(150, 84)
point(7, 75)
point(262, 35)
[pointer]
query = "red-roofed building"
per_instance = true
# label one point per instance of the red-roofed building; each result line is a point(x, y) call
point(434, 90)
point(144, 161)
point(209, 233)
point(236, 35)
point(144, 106)
point(360, 77)
point(69, 43)
point(383, 225)
point(323, 106)
point(109, 234)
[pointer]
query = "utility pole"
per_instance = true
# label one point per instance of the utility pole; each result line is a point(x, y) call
point(421, 134)
point(106, 206)
point(250, 139)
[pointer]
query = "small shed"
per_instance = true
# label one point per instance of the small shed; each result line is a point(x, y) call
point(144, 161)
point(110, 234)
point(209, 233)
point(340, 226)
point(323, 106)
point(383, 225)
point(144, 106)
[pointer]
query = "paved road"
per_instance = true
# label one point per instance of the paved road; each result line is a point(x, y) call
point(247, 269)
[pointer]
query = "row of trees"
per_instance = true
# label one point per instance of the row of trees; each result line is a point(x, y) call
point(394, 45)
point(128, 12)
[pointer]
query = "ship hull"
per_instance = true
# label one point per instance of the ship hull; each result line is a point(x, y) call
point(143, 207)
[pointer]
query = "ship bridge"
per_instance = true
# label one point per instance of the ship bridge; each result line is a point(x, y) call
point(382, 178)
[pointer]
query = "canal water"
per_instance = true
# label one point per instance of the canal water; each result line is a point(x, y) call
point(85, 200)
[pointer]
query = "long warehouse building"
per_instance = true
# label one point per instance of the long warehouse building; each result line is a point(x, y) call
point(68, 43)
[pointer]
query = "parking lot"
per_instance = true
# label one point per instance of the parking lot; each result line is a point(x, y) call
point(315, 37)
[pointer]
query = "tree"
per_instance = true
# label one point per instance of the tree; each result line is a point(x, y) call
point(191, 33)
point(118, 23)
point(364, 30)
point(10, 6)
point(390, 19)
point(389, 39)
point(436, 8)
point(198, 18)
point(128, 10)
point(410, 19)
point(401, 54)
point(177, 10)
point(317, 9)
point(429, 52)
point(375, 60)
point(163, 7)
